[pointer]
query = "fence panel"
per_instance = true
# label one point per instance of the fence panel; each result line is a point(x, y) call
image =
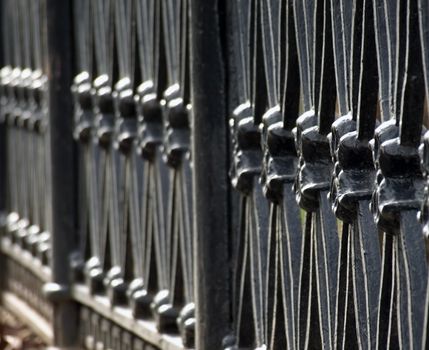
point(215, 174)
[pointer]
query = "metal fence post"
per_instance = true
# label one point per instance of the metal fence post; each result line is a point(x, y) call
point(62, 168)
point(2, 143)
point(209, 134)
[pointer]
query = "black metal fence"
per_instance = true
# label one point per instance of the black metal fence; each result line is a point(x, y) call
point(214, 174)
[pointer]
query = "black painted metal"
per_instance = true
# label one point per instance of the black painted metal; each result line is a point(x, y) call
point(246, 174)
point(319, 274)
point(60, 165)
point(354, 184)
point(212, 217)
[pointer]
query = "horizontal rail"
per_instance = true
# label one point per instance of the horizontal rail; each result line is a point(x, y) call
point(24, 258)
point(122, 316)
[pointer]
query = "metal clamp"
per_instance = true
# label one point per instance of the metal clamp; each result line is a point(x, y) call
point(84, 119)
point(126, 112)
point(22, 112)
point(424, 213)
point(356, 176)
point(400, 184)
point(354, 172)
point(177, 136)
point(280, 157)
point(104, 111)
point(150, 115)
point(247, 158)
point(5, 78)
point(56, 292)
point(38, 122)
point(315, 166)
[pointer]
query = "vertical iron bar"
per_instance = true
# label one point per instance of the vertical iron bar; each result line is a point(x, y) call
point(3, 166)
point(211, 184)
point(59, 62)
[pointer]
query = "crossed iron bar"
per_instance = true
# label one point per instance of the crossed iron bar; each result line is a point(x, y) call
point(353, 278)
point(136, 182)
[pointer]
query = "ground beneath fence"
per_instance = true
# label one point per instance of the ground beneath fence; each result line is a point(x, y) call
point(16, 336)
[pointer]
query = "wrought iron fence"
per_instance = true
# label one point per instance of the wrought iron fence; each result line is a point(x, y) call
point(245, 174)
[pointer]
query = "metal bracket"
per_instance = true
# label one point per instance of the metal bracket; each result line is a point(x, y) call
point(177, 135)
point(84, 118)
point(400, 184)
point(247, 158)
point(104, 110)
point(56, 292)
point(126, 116)
point(280, 158)
point(315, 166)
